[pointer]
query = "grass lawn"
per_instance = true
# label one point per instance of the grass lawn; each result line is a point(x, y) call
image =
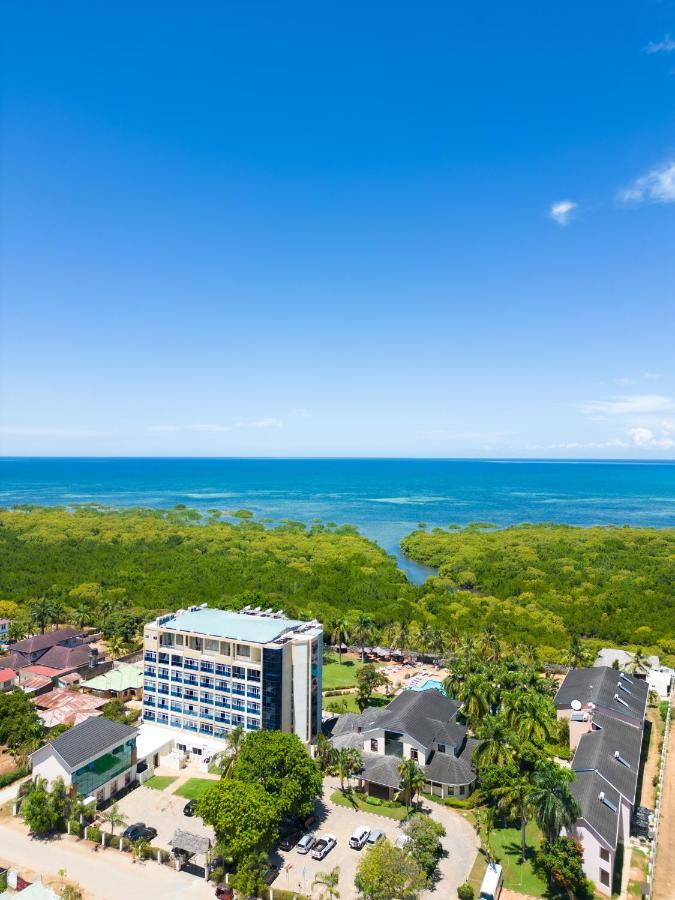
point(194, 788)
point(160, 782)
point(518, 876)
point(638, 872)
point(356, 801)
point(347, 703)
point(336, 676)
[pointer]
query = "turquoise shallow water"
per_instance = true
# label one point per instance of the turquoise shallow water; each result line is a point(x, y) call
point(385, 498)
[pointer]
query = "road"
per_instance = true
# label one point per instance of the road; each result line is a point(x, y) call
point(105, 875)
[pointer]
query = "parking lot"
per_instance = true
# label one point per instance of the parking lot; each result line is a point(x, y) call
point(162, 810)
point(298, 871)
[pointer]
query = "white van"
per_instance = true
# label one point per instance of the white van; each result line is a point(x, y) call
point(491, 887)
point(359, 838)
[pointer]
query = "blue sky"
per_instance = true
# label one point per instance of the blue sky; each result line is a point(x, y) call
point(429, 229)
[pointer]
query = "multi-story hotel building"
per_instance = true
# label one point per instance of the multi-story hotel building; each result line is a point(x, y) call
point(210, 670)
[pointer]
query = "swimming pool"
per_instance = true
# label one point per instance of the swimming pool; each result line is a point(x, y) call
point(431, 684)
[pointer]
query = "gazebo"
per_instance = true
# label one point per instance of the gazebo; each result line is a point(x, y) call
point(185, 845)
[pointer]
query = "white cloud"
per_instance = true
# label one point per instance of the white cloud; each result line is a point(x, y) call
point(667, 45)
point(653, 376)
point(47, 431)
point(628, 404)
point(562, 211)
point(657, 186)
point(218, 428)
point(589, 445)
point(645, 437)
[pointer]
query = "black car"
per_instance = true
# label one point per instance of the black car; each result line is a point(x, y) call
point(189, 808)
point(139, 830)
point(271, 874)
point(289, 839)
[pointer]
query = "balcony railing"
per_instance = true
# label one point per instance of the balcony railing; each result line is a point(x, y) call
point(150, 656)
point(164, 659)
point(177, 707)
point(177, 677)
point(177, 661)
point(176, 692)
point(206, 682)
point(163, 689)
point(191, 664)
point(253, 710)
point(150, 672)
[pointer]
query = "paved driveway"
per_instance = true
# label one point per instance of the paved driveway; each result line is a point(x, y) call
point(299, 871)
point(162, 810)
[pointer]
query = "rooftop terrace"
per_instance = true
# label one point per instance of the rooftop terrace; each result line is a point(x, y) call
point(245, 626)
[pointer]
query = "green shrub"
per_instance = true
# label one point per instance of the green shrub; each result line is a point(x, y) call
point(11, 777)
point(94, 834)
point(461, 802)
point(113, 840)
point(465, 891)
point(374, 801)
point(164, 856)
point(76, 828)
point(663, 709)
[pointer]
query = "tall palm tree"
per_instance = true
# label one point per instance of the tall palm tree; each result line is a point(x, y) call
point(577, 655)
point(423, 638)
point(115, 645)
point(345, 762)
point(363, 630)
point(114, 817)
point(328, 881)
point(40, 610)
point(532, 716)
point(413, 779)
point(402, 638)
point(438, 642)
point(554, 804)
point(497, 742)
point(82, 614)
point(490, 644)
point(339, 633)
point(514, 798)
point(227, 760)
point(474, 693)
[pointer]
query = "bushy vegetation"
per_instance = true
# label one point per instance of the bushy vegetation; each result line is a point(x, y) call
point(538, 583)
point(104, 565)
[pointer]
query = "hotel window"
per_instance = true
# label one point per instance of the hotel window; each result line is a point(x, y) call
point(225, 649)
point(211, 646)
point(441, 748)
point(179, 640)
point(223, 670)
point(414, 754)
point(604, 854)
point(374, 746)
point(239, 672)
point(243, 650)
point(604, 877)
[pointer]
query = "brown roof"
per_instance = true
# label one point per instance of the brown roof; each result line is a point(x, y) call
point(32, 682)
point(64, 707)
point(65, 657)
point(14, 661)
point(44, 641)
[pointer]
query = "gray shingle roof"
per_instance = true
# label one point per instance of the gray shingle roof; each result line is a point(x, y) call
point(191, 843)
point(94, 735)
point(65, 657)
point(597, 749)
point(612, 691)
point(380, 769)
point(587, 787)
point(446, 768)
point(426, 716)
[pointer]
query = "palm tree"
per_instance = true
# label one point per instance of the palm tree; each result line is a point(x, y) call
point(532, 716)
point(329, 882)
point(437, 642)
point(363, 630)
point(114, 817)
point(423, 638)
point(18, 629)
point(497, 742)
point(324, 751)
point(577, 655)
point(490, 644)
point(515, 799)
point(227, 760)
point(339, 633)
point(115, 645)
point(40, 610)
point(413, 779)
point(639, 662)
point(345, 763)
point(82, 614)
point(474, 693)
point(554, 803)
point(402, 635)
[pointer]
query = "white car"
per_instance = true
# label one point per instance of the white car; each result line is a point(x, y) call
point(323, 846)
point(359, 838)
point(306, 843)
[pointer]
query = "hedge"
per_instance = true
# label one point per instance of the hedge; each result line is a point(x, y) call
point(11, 777)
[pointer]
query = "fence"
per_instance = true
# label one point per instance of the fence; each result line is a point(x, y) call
point(657, 811)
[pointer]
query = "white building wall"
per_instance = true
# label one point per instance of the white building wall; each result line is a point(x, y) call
point(593, 848)
point(50, 768)
point(301, 689)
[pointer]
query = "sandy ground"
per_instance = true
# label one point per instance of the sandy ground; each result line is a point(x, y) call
point(106, 875)
point(652, 762)
point(664, 876)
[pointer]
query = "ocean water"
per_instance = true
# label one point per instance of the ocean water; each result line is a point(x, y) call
point(385, 498)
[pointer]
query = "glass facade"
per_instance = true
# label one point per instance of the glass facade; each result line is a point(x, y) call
point(272, 677)
point(94, 775)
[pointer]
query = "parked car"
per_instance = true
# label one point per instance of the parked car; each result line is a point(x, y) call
point(289, 839)
point(306, 842)
point(142, 766)
point(189, 808)
point(139, 830)
point(271, 874)
point(224, 892)
point(374, 837)
point(323, 846)
point(358, 839)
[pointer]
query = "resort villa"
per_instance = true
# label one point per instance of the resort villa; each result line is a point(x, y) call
point(207, 671)
point(606, 711)
point(417, 725)
point(95, 759)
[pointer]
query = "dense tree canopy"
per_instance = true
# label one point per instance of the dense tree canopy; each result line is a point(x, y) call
point(100, 562)
point(539, 582)
point(244, 817)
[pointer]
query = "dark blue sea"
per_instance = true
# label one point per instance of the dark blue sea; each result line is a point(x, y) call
point(385, 498)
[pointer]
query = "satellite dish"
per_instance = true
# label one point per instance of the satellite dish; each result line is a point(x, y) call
point(576, 705)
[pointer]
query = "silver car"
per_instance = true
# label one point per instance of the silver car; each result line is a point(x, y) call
point(306, 843)
point(374, 837)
